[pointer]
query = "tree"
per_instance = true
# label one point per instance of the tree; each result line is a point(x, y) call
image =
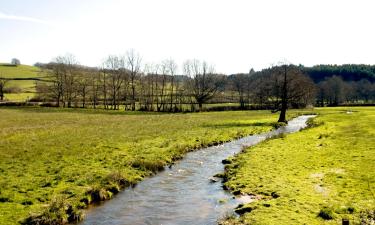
point(203, 82)
point(63, 73)
point(240, 83)
point(15, 62)
point(133, 63)
point(291, 87)
point(172, 69)
point(114, 67)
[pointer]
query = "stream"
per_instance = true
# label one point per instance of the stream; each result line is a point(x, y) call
point(183, 194)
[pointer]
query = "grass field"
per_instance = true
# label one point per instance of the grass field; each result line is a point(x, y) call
point(320, 175)
point(25, 89)
point(85, 155)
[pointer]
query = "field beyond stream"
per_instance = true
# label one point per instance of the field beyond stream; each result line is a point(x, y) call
point(54, 162)
point(321, 175)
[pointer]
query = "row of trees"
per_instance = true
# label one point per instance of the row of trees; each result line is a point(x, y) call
point(334, 91)
point(124, 82)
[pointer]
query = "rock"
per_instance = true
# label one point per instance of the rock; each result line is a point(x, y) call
point(226, 161)
point(213, 179)
point(241, 209)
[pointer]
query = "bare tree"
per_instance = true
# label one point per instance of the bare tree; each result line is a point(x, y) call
point(95, 84)
point(114, 68)
point(55, 71)
point(133, 63)
point(240, 83)
point(172, 69)
point(203, 82)
point(291, 86)
point(83, 85)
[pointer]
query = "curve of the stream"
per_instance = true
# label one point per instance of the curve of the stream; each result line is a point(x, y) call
point(184, 193)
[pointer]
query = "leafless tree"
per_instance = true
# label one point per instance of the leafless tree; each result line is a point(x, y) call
point(133, 65)
point(291, 86)
point(240, 83)
point(114, 68)
point(203, 82)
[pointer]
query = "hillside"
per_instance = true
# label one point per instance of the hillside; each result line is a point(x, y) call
point(22, 84)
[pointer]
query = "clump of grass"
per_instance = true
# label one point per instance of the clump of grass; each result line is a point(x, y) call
point(242, 209)
point(149, 165)
point(98, 193)
point(58, 212)
point(313, 122)
point(5, 199)
point(326, 213)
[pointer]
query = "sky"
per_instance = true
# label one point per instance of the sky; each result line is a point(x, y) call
point(233, 35)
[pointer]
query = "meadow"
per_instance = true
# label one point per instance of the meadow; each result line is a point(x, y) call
point(54, 162)
point(321, 175)
point(23, 85)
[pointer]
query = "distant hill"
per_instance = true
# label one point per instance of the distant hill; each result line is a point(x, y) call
point(348, 72)
point(22, 78)
point(20, 71)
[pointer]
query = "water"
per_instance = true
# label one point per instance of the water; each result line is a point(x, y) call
point(183, 194)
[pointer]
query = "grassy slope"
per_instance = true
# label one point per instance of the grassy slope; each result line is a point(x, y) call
point(52, 152)
point(21, 71)
point(27, 87)
point(327, 167)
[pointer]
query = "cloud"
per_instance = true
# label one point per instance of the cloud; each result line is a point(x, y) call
point(22, 18)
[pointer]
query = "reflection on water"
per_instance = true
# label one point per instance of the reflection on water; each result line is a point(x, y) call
point(183, 194)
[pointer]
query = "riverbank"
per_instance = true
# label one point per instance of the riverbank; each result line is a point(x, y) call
point(320, 175)
point(57, 161)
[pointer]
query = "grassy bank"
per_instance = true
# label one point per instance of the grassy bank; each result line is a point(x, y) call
point(320, 175)
point(56, 161)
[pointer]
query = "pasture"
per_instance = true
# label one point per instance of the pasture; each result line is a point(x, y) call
point(82, 156)
point(320, 175)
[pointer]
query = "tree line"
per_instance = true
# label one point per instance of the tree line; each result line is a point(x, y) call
point(125, 82)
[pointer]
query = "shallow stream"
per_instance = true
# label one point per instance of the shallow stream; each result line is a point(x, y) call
point(183, 194)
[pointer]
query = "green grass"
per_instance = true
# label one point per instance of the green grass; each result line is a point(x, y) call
point(24, 88)
point(83, 155)
point(21, 71)
point(317, 176)
point(19, 97)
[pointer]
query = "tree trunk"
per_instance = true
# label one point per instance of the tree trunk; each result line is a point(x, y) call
point(284, 103)
point(200, 106)
point(282, 117)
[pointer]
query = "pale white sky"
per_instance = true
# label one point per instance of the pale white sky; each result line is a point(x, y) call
point(234, 35)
